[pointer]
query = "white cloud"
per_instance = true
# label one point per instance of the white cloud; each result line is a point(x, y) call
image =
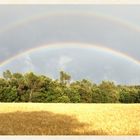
point(63, 62)
point(28, 63)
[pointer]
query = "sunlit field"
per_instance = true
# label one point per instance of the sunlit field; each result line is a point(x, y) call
point(69, 119)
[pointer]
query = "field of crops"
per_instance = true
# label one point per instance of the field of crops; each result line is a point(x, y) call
point(69, 119)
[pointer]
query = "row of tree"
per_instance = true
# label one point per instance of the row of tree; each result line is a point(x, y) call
point(29, 87)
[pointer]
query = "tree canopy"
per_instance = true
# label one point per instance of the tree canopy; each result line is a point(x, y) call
point(30, 87)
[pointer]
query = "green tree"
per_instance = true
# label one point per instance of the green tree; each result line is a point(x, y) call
point(7, 74)
point(63, 99)
point(8, 94)
point(84, 88)
point(19, 82)
point(97, 95)
point(138, 96)
point(73, 94)
point(64, 77)
point(128, 95)
point(33, 83)
point(16, 87)
point(109, 92)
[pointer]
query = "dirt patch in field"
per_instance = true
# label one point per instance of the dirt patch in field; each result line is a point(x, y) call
point(42, 123)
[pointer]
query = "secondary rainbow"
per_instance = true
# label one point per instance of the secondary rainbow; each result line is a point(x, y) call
point(37, 17)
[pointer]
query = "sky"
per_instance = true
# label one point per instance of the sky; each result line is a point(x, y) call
point(97, 42)
point(70, 2)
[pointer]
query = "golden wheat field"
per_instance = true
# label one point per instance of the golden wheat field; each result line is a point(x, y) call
point(69, 119)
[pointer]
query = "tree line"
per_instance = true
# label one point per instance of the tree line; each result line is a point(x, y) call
point(29, 87)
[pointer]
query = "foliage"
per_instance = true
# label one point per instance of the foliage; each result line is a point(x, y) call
point(129, 95)
point(109, 92)
point(29, 87)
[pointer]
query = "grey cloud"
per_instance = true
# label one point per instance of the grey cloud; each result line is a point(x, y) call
point(74, 28)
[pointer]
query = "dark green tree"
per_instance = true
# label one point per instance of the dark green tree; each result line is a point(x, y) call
point(64, 77)
point(109, 92)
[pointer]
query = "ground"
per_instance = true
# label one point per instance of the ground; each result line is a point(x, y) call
point(69, 119)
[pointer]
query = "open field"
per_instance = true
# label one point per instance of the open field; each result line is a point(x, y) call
point(69, 119)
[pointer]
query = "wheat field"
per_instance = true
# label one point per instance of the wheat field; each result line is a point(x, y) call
point(69, 119)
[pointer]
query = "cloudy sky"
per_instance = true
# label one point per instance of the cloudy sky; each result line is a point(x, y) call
point(97, 42)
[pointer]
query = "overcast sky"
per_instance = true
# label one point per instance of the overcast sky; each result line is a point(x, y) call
point(115, 27)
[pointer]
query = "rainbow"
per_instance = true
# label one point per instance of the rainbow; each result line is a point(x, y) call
point(84, 45)
point(26, 21)
point(33, 18)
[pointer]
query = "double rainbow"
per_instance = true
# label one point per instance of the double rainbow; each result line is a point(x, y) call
point(26, 21)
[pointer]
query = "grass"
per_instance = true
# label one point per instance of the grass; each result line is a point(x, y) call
point(69, 119)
